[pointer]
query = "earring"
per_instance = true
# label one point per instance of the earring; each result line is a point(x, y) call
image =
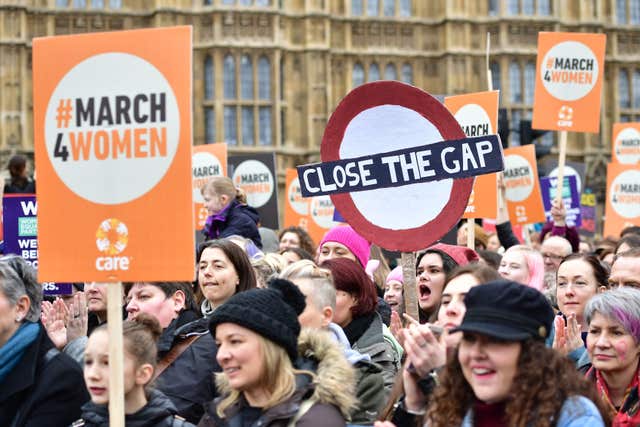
point(18, 319)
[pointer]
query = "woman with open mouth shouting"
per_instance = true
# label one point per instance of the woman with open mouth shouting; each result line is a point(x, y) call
point(613, 344)
point(432, 267)
point(503, 374)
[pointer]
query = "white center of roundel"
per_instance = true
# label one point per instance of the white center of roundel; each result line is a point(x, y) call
point(387, 128)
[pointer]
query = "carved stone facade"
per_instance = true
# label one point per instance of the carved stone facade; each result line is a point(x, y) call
point(305, 55)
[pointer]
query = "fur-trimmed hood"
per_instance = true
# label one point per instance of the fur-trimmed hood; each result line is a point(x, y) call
point(334, 379)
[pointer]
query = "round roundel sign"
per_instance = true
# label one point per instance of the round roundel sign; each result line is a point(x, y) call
point(625, 194)
point(113, 130)
point(627, 146)
point(256, 180)
point(385, 116)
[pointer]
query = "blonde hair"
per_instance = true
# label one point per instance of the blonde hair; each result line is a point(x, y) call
point(321, 287)
point(267, 267)
point(222, 185)
point(278, 378)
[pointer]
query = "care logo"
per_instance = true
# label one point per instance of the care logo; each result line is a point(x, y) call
point(518, 178)
point(112, 112)
point(569, 70)
point(256, 180)
point(112, 237)
point(625, 194)
point(627, 146)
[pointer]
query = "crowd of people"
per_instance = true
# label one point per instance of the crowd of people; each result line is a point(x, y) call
point(536, 334)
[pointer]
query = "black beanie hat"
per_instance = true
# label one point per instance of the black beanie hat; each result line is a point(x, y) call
point(272, 313)
point(507, 310)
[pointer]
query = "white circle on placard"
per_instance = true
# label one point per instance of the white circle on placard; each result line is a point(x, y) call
point(518, 178)
point(474, 117)
point(299, 204)
point(627, 146)
point(386, 128)
point(569, 70)
point(256, 180)
point(322, 210)
point(121, 155)
point(625, 194)
point(204, 167)
point(568, 171)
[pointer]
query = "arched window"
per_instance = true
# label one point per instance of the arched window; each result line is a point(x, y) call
point(636, 89)
point(356, 7)
point(495, 75)
point(208, 78)
point(529, 82)
point(374, 72)
point(514, 136)
point(62, 3)
point(623, 89)
point(264, 78)
point(115, 4)
point(263, 2)
point(389, 7)
point(494, 7)
point(282, 78)
point(513, 7)
point(246, 2)
point(405, 8)
point(544, 7)
point(390, 72)
point(79, 4)
point(97, 4)
point(407, 73)
point(229, 77)
point(528, 8)
point(246, 77)
point(357, 75)
point(515, 83)
point(372, 8)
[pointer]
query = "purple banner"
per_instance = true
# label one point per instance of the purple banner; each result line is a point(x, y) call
point(21, 227)
point(570, 196)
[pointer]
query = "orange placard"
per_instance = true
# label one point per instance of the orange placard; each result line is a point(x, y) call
point(477, 114)
point(112, 119)
point(314, 214)
point(207, 161)
point(569, 72)
point(524, 199)
point(625, 143)
point(622, 208)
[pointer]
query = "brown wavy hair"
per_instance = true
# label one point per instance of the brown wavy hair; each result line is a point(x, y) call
point(544, 380)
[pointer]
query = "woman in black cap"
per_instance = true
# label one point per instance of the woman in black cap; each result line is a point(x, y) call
point(273, 375)
point(502, 373)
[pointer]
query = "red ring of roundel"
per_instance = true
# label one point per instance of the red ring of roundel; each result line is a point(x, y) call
point(395, 93)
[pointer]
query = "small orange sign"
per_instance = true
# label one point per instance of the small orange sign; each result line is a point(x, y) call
point(622, 208)
point(207, 161)
point(314, 214)
point(625, 143)
point(569, 72)
point(524, 199)
point(477, 114)
point(112, 136)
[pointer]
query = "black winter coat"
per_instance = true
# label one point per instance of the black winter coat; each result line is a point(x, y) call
point(158, 412)
point(44, 389)
point(241, 220)
point(188, 382)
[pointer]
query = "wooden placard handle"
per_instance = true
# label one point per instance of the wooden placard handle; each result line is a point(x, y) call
point(408, 262)
point(116, 355)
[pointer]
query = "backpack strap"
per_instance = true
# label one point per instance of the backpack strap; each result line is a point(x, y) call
point(173, 354)
point(304, 408)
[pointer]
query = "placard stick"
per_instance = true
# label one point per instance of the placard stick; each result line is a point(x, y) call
point(562, 155)
point(408, 262)
point(116, 355)
point(489, 76)
point(471, 233)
